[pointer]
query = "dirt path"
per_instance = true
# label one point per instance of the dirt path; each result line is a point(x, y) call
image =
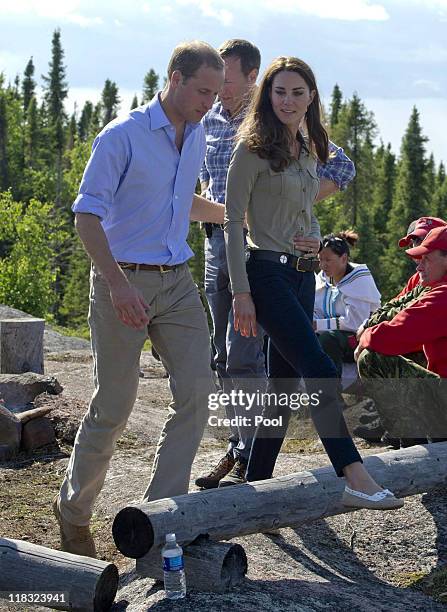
point(362, 561)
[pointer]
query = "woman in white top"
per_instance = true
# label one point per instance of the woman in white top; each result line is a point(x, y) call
point(345, 295)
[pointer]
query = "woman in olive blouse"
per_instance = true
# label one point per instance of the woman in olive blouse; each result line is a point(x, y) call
point(272, 184)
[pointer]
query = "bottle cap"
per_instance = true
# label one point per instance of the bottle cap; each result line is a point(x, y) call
point(170, 537)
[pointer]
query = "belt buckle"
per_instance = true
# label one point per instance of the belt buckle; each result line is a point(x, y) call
point(163, 271)
point(304, 264)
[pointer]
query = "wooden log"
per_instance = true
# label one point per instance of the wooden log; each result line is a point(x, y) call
point(88, 584)
point(21, 345)
point(209, 566)
point(34, 413)
point(279, 502)
point(36, 433)
point(10, 429)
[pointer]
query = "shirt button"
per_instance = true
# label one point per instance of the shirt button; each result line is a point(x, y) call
point(176, 197)
point(304, 189)
point(303, 210)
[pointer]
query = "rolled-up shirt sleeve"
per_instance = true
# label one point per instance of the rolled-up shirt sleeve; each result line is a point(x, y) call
point(104, 173)
point(242, 174)
point(339, 168)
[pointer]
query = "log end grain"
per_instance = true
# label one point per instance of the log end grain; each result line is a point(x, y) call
point(132, 532)
point(106, 589)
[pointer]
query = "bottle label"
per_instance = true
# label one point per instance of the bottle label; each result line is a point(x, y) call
point(173, 564)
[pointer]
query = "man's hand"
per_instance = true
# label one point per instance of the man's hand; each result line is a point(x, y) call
point(307, 245)
point(244, 314)
point(129, 304)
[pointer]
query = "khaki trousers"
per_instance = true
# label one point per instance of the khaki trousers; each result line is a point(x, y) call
point(178, 330)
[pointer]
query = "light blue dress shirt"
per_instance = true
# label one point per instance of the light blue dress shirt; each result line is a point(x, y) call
point(141, 187)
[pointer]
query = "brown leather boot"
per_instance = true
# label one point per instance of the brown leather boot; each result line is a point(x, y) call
point(211, 480)
point(75, 539)
point(235, 476)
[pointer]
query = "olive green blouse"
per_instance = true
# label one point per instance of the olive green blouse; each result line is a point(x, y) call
point(279, 205)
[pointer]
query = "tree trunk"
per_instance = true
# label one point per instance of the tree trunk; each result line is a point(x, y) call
point(209, 566)
point(85, 584)
point(21, 345)
point(279, 502)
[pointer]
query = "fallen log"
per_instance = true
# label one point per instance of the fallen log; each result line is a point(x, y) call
point(74, 582)
point(209, 566)
point(279, 502)
point(21, 345)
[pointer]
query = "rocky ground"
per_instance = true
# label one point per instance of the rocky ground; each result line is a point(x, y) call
point(360, 561)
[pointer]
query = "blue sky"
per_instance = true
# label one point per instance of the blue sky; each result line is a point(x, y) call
point(393, 53)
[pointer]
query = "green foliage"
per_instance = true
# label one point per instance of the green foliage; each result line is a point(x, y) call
point(410, 201)
point(110, 101)
point(150, 86)
point(28, 85)
point(27, 271)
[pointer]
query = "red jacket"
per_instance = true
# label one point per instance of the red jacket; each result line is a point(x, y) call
point(413, 282)
point(423, 323)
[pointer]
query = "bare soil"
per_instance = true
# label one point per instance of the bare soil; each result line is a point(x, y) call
point(362, 561)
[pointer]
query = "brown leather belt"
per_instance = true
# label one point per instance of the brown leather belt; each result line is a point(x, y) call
point(154, 268)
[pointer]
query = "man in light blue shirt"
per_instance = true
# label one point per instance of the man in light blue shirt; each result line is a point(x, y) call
point(132, 214)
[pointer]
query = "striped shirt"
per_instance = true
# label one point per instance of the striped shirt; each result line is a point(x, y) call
point(220, 131)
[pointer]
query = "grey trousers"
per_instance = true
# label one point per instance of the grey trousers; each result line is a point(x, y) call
point(179, 332)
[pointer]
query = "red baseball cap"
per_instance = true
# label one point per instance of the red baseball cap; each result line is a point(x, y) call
point(435, 239)
point(420, 229)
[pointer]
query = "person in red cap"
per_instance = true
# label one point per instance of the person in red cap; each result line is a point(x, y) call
point(412, 403)
point(372, 430)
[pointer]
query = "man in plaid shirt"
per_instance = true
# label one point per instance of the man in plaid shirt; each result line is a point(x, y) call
point(239, 358)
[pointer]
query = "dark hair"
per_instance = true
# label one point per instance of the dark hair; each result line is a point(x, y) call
point(340, 242)
point(246, 51)
point(263, 132)
point(188, 57)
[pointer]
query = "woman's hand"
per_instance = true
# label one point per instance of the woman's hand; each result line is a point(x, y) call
point(307, 245)
point(244, 314)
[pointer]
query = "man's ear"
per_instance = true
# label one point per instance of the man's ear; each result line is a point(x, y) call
point(176, 79)
point(252, 76)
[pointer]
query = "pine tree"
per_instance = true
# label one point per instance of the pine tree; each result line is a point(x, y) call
point(410, 202)
point(336, 104)
point(150, 86)
point(430, 180)
point(72, 131)
point(134, 103)
point(55, 84)
point(28, 84)
point(439, 200)
point(31, 133)
point(110, 101)
point(55, 92)
point(355, 131)
point(4, 174)
point(85, 120)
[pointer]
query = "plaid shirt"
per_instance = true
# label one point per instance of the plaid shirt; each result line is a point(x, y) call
point(220, 130)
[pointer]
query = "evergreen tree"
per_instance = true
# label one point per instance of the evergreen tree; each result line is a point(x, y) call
point(110, 101)
point(85, 121)
point(410, 202)
point(336, 104)
point(55, 92)
point(28, 84)
point(134, 103)
point(31, 133)
point(72, 131)
point(355, 131)
point(4, 174)
point(55, 84)
point(150, 86)
point(439, 200)
point(430, 180)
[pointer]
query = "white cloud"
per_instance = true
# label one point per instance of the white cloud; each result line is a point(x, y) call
point(427, 85)
point(210, 8)
point(349, 10)
point(62, 11)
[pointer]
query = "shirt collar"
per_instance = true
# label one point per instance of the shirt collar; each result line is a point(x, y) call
point(158, 118)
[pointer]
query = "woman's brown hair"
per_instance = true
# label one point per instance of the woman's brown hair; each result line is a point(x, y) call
point(266, 135)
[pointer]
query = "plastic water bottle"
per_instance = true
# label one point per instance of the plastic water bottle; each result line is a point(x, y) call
point(174, 573)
